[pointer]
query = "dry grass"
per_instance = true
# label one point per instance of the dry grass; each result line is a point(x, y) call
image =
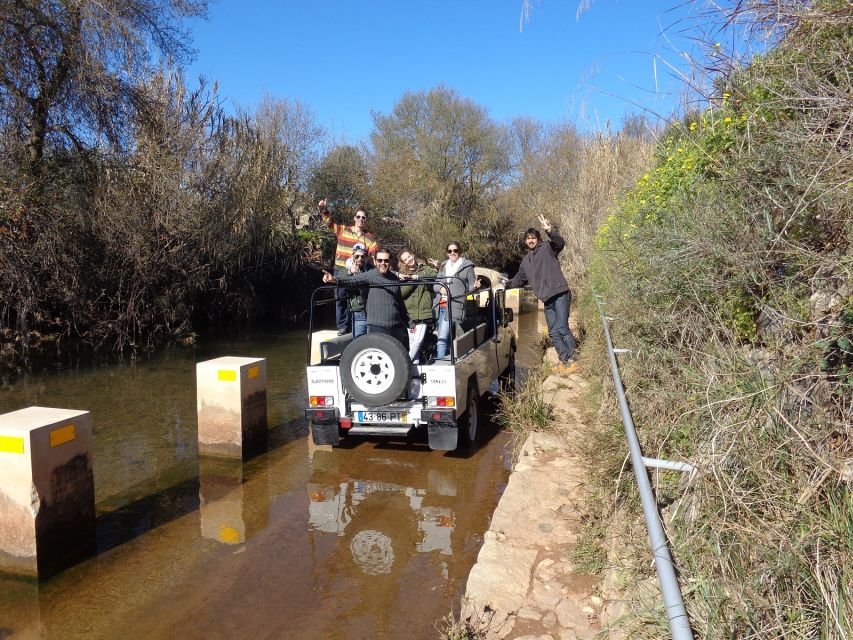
point(451, 628)
point(575, 180)
point(736, 296)
point(526, 410)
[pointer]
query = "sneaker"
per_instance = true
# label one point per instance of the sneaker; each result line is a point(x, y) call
point(343, 332)
point(566, 368)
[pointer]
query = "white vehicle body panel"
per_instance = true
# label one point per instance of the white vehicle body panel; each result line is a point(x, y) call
point(486, 358)
point(325, 381)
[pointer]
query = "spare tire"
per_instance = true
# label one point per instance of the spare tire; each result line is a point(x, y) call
point(375, 369)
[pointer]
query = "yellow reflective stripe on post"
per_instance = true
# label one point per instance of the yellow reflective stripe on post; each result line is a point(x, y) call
point(63, 435)
point(254, 372)
point(227, 375)
point(11, 444)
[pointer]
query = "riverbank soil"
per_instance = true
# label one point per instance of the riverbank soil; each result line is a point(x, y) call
point(524, 583)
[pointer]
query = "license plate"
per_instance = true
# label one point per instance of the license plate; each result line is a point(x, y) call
point(381, 416)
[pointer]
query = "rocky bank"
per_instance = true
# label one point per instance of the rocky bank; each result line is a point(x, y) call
point(524, 585)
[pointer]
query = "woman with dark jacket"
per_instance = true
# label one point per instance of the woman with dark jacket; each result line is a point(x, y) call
point(457, 273)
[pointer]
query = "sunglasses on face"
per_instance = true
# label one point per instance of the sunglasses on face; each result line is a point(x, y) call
point(361, 217)
point(358, 258)
point(453, 251)
point(382, 260)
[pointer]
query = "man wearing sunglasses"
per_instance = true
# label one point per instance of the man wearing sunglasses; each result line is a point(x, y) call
point(541, 268)
point(348, 237)
point(386, 312)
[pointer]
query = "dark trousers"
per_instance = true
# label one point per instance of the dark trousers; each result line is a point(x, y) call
point(400, 333)
point(341, 304)
point(557, 317)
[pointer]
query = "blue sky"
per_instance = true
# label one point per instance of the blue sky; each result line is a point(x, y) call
point(345, 58)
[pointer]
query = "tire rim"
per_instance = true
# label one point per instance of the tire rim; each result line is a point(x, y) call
point(372, 371)
point(473, 416)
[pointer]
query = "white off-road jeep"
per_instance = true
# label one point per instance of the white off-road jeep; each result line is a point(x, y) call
point(369, 386)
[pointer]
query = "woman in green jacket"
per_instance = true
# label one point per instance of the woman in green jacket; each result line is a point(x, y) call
point(418, 301)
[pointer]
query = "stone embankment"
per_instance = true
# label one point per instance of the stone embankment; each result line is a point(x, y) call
point(524, 584)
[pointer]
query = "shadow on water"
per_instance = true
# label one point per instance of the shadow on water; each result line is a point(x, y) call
point(119, 522)
point(127, 522)
point(287, 432)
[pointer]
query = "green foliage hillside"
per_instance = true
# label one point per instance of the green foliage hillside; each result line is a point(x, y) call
point(727, 270)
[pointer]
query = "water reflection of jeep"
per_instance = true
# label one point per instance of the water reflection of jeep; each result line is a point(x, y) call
point(368, 386)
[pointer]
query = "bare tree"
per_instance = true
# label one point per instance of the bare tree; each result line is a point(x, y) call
point(438, 149)
point(69, 69)
point(341, 178)
point(286, 140)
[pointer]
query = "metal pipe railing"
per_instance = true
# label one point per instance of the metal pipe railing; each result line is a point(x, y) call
point(679, 624)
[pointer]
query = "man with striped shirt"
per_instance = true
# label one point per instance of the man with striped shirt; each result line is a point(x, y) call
point(348, 236)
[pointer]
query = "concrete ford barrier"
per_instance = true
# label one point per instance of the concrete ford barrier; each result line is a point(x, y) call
point(232, 407)
point(513, 301)
point(47, 490)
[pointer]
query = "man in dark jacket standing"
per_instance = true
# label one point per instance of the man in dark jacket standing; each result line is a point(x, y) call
point(541, 269)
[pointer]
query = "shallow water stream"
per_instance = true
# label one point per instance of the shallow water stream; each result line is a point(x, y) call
point(374, 539)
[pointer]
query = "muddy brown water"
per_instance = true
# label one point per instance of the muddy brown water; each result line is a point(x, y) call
point(374, 539)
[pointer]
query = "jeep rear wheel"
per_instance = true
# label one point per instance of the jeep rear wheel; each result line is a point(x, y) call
point(469, 423)
point(375, 369)
point(506, 380)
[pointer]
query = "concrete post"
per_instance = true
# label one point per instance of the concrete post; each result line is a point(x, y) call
point(513, 301)
point(47, 490)
point(232, 407)
point(541, 322)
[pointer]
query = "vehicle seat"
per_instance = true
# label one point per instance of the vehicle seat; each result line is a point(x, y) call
point(334, 347)
point(465, 343)
point(469, 319)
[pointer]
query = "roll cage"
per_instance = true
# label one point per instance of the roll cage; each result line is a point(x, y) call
point(492, 305)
